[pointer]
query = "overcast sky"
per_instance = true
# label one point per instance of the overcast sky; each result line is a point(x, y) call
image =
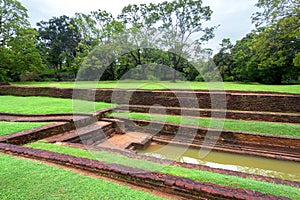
point(233, 16)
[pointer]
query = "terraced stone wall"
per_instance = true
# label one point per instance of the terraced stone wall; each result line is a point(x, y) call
point(237, 138)
point(234, 100)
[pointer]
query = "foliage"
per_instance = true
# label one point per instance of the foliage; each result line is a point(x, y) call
point(276, 48)
point(138, 49)
point(18, 50)
point(97, 29)
point(26, 57)
point(268, 55)
point(180, 20)
point(155, 41)
point(13, 16)
point(223, 59)
point(60, 37)
point(275, 10)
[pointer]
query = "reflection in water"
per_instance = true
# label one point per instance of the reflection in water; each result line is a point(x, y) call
point(242, 163)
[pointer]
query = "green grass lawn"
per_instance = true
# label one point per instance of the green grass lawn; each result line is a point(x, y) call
point(47, 105)
point(234, 125)
point(161, 85)
point(24, 179)
point(204, 176)
point(7, 128)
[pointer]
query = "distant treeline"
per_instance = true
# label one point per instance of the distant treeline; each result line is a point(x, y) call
point(60, 46)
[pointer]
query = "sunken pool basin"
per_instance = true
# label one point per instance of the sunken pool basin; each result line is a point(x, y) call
point(286, 170)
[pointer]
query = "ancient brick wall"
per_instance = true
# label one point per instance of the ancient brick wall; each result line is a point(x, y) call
point(184, 187)
point(235, 101)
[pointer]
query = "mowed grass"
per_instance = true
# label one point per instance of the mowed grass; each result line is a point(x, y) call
point(24, 179)
point(7, 128)
point(47, 105)
point(204, 176)
point(163, 85)
point(282, 129)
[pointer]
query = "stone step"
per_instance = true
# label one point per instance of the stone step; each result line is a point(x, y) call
point(91, 132)
point(126, 140)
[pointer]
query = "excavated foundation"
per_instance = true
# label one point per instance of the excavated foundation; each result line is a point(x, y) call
point(124, 136)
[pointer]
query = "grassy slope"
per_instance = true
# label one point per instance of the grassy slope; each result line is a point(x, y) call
point(46, 105)
point(7, 128)
point(235, 125)
point(225, 180)
point(149, 85)
point(24, 179)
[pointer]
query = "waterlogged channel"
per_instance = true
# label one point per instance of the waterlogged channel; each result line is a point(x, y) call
point(249, 164)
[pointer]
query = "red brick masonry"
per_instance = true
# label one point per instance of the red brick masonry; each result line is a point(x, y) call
point(270, 102)
point(172, 184)
point(134, 155)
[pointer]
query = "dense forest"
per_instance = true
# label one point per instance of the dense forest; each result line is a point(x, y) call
point(57, 48)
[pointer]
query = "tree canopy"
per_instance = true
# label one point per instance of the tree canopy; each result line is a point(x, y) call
point(144, 39)
point(18, 51)
point(269, 54)
point(271, 11)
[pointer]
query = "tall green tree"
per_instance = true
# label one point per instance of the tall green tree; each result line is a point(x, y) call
point(180, 21)
point(223, 59)
point(269, 54)
point(27, 61)
point(243, 60)
point(60, 36)
point(97, 28)
point(278, 45)
point(271, 11)
point(176, 22)
point(93, 27)
point(276, 48)
point(18, 50)
point(13, 16)
point(139, 21)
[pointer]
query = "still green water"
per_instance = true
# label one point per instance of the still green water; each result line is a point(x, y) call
point(249, 164)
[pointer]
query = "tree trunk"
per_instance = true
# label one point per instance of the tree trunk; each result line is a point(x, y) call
point(144, 77)
point(175, 63)
point(56, 73)
point(112, 72)
point(278, 79)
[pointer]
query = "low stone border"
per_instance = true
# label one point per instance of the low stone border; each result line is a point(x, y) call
point(47, 115)
point(4, 83)
point(171, 184)
point(62, 117)
point(229, 114)
point(8, 117)
point(38, 133)
point(133, 154)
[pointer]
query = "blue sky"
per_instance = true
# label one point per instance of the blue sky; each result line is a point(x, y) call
point(233, 16)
